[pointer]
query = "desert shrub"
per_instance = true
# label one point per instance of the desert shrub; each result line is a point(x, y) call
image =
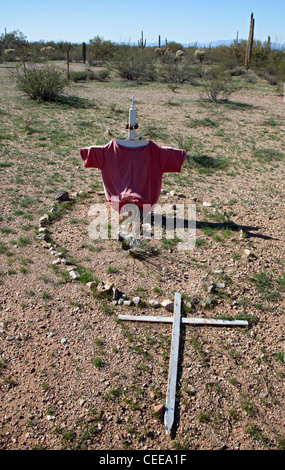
point(175, 73)
point(272, 80)
point(273, 72)
point(100, 51)
point(250, 77)
point(237, 71)
point(218, 84)
point(84, 75)
point(136, 68)
point(78, 76)
point(100, 75)
point(268, 63)
point(43, 83)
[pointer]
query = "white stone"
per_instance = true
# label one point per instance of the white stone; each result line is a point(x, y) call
point(74, 274)
point(44, 219)
point(102, 287)
point(220, 285)
point(168, 304)
point(72, 267)
point(91, 285)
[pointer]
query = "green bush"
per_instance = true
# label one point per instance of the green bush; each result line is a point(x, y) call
point(218, 84)
point(85, 75)
point(100, 75)
point(175, 73)
point(136, 68)
point(237, 71)
point(79, 76)
point(44, 83)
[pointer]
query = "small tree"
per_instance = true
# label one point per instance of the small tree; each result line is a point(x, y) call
point(43, 83)
point(100, 50)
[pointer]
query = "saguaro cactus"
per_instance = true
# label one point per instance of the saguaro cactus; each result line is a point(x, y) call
point(249, 42)
point(84, 52)
point(141, 42)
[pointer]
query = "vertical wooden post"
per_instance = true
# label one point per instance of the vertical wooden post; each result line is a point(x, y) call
point(68, 59)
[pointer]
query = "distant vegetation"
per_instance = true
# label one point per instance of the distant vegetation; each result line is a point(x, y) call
point(171, 63)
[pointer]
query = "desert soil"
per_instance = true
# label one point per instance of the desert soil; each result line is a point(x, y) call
point(73, 376)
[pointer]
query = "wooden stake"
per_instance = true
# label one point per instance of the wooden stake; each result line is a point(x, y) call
point(173, 365)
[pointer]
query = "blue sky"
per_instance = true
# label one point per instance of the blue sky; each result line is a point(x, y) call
point(183, 21)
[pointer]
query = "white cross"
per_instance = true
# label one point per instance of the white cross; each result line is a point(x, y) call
point(176, 319)
point(131, 142)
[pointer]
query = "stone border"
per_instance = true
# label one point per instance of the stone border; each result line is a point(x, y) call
point(118, 297)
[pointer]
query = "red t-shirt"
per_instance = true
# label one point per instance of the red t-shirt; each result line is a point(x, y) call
point(133, 175)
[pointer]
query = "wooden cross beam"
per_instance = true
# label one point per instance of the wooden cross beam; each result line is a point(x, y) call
point(176, 319)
